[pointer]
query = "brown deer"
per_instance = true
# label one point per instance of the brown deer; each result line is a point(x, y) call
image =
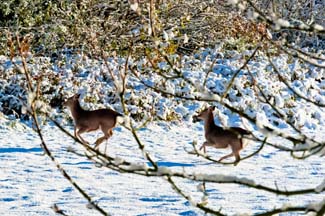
point(219, 137)
point(86, 121)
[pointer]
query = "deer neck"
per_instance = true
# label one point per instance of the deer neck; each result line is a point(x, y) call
point(76, 110)
point(209, 122)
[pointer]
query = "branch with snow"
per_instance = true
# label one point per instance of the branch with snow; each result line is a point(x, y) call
point(280, 23)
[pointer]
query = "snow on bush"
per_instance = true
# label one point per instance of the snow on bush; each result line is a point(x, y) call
point(70, 74)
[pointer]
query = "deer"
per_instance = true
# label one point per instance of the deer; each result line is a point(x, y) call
point(87, 121)
point(219, 137)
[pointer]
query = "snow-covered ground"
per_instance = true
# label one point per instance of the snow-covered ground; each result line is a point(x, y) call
point(30, 183)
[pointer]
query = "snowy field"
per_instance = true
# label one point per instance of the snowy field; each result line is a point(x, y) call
point(30, 184)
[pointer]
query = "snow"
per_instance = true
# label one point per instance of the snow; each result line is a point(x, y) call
point(320, 187)
point(31, 184)
point(233, 2)
point(282, 23)
point(134, 6)
point(318, 27)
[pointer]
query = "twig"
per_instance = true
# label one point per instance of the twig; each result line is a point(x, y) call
point(284, 80)
point(189, 199)
point(242, 114)
point(32, 111)
point(145, 171)
point(238, 71)
point(198, 153)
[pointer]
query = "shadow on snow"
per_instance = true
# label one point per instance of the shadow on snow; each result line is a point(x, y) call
point(20, 150)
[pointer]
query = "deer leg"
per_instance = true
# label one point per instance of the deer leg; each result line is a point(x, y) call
point(78, 135)
point(203, 146)
point(75, 132)
point(235, 147)
point(237, 156)
point(229, 155)
point(235, 150)
point(107, 135)
point(226, 156)
point(99, 141)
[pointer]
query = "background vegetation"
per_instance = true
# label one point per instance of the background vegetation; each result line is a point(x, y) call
point(92, 26)
point(158, 32)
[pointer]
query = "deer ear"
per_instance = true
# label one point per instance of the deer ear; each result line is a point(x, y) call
point(77, 96)
point(213, 108)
